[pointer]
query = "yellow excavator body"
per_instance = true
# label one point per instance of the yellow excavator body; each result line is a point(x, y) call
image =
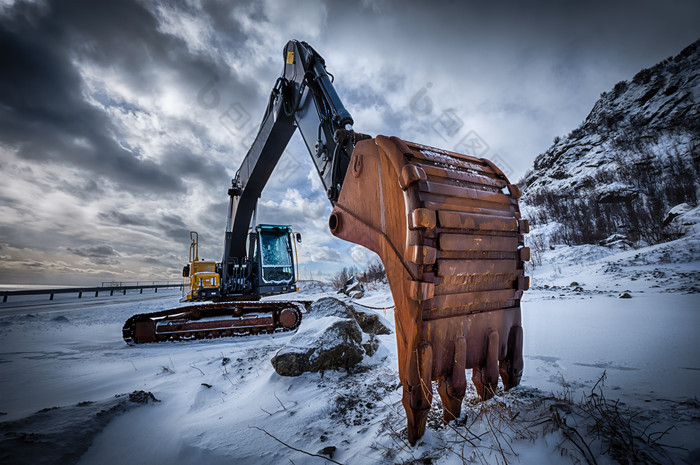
point(201, 279)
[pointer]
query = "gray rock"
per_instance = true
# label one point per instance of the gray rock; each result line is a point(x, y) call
point(370, 322)
point(617, 241)
point(329, 338)
point(354, 289)
point(370, 343)
point(329, 306)
point(356, 294)
point(329, 451)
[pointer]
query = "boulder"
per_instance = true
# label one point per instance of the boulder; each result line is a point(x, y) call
point(675, 212)
point(617, 241)
point(353, 288)
point(681, 220)
point(329, 338)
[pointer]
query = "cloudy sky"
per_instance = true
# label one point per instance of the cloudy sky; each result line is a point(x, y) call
point(122, 122)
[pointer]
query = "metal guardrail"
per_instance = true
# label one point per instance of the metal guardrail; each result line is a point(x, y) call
point(81, 290)
point(138, 283)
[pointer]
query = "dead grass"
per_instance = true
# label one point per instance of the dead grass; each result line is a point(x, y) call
point(589, 430)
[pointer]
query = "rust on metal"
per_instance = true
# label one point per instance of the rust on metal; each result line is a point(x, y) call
point(447, 227)
point(212, 321)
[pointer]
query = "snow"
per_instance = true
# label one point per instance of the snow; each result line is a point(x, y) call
point(220, 398)
point(680, 209)
point(685, 218)
point(640, 355)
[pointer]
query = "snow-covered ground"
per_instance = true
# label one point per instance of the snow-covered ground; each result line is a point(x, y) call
point(222, 402)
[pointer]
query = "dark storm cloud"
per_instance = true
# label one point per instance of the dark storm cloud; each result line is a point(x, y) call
point(97, 254)
point(577, 26)
point(167, 261)
point(44, 114)
point(215, 214)
point(95, 251)
point(166, 225)
point(124, 219)
point(81, 187)
point(174, 227)
point(469, 39)
point(19, 239)
point(219, 13)
point(196, 165)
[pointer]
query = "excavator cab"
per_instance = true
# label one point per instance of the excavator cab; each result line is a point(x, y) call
point(269, 269)
point(274, 259)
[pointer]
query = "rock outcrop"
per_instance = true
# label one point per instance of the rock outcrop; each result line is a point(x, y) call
point(329, 338)
point(633, 158)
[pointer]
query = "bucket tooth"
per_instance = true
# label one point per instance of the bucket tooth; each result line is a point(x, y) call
point(418, 392)
point(447, 228)
point(485, 376)
point(453, 387)
point(511, 368)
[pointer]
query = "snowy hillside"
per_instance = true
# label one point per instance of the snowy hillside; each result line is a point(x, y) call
point(221, 402)
point(636, 156)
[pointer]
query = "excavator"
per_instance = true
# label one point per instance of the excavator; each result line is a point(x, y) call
point(446, 226)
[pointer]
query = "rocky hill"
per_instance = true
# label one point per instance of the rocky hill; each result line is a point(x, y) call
point(634, 158)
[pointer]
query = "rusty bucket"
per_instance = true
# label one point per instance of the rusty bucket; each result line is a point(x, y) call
point(447, 227)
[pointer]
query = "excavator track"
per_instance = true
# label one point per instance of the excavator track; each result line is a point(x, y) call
point(215, 320)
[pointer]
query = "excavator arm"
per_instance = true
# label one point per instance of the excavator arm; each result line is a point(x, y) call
point(303, 97)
